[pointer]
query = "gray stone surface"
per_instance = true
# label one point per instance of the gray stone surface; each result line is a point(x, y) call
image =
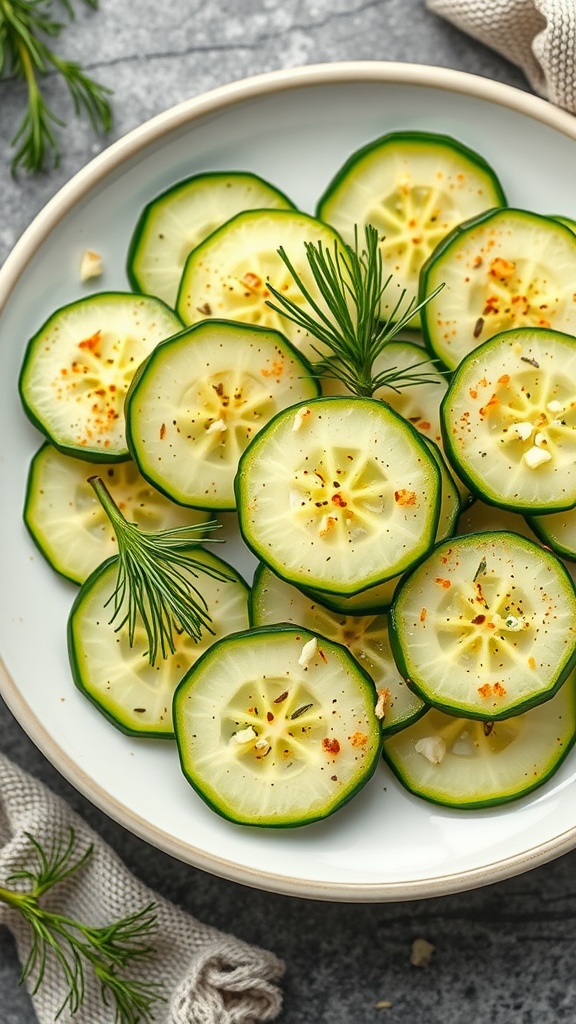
point(504, 953)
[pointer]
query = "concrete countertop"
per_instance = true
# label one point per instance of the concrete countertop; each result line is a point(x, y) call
point(504, 953)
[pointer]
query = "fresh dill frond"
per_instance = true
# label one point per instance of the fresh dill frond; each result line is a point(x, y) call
point(349, 328)
point(107, 950)
point(26, 26)
point(155, 586)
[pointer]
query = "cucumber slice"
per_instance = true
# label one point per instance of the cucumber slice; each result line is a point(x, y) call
point(199, 399)
point(467, 764)
point(485, 626)
point(505, 269)
point(414, 187)
point(558, 531)
point(78, 366)
point(509, 420)
point(68, 523)
point(134, 695)
point(227, 275)
point(338, 495)
point(176, 221)
point(276, 727)
point(366, 637)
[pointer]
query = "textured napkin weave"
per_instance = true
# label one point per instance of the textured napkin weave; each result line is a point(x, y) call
point(537, 35)
point(209, 977)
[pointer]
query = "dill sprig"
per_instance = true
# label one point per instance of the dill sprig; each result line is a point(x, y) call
point(106, 950)
point(351, 284)
point(26, 27)
point(155, 587)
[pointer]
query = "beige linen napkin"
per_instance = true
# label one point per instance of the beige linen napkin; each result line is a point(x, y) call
point(209, 977)
point(537, 35)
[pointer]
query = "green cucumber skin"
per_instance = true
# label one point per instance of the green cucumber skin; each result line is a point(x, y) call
point(182, 184)
point(399, 657)
point(280, 825)
point(189, 332)
point(82, 453)
point(496, 801)
point(75, 668)
point(431, 138)
point(536, 525)
point(524, 510)
point(319, 592)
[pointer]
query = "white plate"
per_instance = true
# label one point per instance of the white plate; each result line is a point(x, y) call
point(294, 128)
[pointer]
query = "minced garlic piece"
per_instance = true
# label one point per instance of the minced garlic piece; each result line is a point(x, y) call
point(421, 953)
point(300, 417)
point(432, 748)
point(309, 652)
point(523, 429)
point(90, 265)
point(382, 702)
point(554, 406)
point(217, 427)
point(244, 735)
point(535, 457)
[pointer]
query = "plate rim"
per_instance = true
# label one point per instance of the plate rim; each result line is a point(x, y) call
point(111, 158)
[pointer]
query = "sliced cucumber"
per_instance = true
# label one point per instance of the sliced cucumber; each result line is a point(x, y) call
point(366, 637)
point(276, 727)
point(505, 269)
point(414, 187)
point(509, 420)
point(117, 678)
point(78, 366)
point(199, 399)
point(67, 521)
point(176, 221)
point(338, 495)
point(465, 763)
point(558, 531)
point(485, 626)
point(227, 276)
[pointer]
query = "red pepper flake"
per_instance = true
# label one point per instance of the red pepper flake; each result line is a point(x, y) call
point(337, 499)
point(269, 716)
point(162, 431)
point(478, 620)
point(322, 655)
point(531, 662)
point(473, 392)
point(330, 746)
point(405, 497)
point(494, 401)
point(499, 690)
point(276, 370)
point(504, 379)
point(423, 615)
point(358, 739)
point(252, 281)
point(443, 583)
point(92, 342)
point(485, 690)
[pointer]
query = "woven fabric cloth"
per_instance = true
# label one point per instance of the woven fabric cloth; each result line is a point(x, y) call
point(209, 977)
point(537, 35)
